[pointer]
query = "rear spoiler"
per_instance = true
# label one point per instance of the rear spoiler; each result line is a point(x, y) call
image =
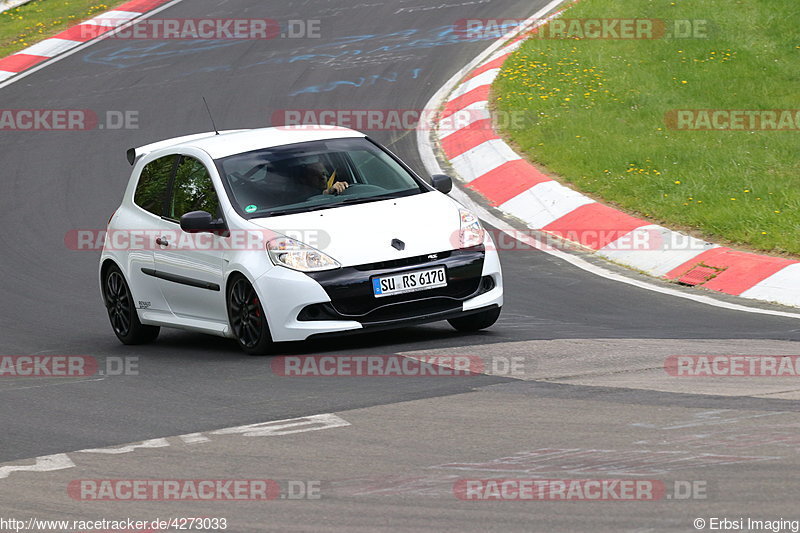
point(134, 153)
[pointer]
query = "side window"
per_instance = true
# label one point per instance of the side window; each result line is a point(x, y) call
point(151, 191)
point(193, 190)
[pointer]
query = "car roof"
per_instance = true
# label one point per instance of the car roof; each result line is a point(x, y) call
point(240, 141)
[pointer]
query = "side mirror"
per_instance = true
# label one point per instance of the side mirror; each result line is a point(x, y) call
point(200, 222)
point(442, 183)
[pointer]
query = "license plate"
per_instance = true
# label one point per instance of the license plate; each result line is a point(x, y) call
point(420, 280)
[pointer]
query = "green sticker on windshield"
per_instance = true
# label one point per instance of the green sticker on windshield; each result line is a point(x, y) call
point(251, 209)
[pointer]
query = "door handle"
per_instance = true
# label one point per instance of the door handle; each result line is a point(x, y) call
point(162, 242)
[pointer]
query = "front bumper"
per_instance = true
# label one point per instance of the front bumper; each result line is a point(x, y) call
point(299, 305)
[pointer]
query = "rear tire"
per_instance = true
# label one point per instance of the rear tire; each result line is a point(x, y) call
point(247, 319)
point(121, 311)
point(476, 322)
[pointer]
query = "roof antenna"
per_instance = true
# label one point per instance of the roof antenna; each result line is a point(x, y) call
point(210, 116)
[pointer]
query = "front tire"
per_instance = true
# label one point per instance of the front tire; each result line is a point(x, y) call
point(121, 311)
point(476, 322)
point(247, 318)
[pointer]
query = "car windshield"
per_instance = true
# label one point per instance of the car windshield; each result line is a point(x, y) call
point(314, 175)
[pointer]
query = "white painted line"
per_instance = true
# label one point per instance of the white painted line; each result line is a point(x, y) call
point(480, 80)
point(783, 286)
point(46, 463)
point(463, 118)
point(4, 75)
point(482, 159)
point(128, 448)
point(194, 438)
point(52, 384)
point(545, 203)
point(50, 47)
point(286, 427)
point(670, 249)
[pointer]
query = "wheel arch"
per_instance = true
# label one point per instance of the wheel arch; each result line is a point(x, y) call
point(106, 265)
point(236, 274)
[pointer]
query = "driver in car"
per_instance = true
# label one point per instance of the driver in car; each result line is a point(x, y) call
point(316, 177)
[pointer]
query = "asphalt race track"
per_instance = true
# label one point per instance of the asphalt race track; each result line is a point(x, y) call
point(593, 349)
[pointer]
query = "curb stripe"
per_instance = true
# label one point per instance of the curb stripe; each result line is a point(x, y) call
point(482, 159)
point(594, 225)
point(544, 203)
point(141, 6)
point(114, 18)
point(50, 47)
point(481, 94)
point(463, 118)
point(478, 81)
point(468, 138)
point(781, 286)
point(19, 62)
point(510, 179)
point(661, 251)
point(743, 270)
point(83, 32)
point(491, 65)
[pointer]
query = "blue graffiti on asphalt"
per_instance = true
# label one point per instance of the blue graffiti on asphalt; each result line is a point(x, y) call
point(368, 44)
point(132, 55)
point(400, 41)
point(362, 81)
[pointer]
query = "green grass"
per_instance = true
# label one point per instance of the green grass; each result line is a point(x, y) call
point(34, 21)
point(595, 116)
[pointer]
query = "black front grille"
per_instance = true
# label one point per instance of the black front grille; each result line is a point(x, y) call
point(386, 313)
point(351, 293)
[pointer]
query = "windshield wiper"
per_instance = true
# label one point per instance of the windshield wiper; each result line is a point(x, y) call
point(387, 196)
point(300, 210)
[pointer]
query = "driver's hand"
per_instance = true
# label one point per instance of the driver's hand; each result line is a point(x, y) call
point(337, 188)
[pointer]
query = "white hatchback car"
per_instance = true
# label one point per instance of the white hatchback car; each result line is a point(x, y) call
point(282, 234)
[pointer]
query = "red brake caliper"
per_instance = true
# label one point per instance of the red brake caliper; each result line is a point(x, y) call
point(258, 307)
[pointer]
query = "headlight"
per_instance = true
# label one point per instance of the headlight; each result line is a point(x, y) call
point(293, 254)
point(472, 233)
